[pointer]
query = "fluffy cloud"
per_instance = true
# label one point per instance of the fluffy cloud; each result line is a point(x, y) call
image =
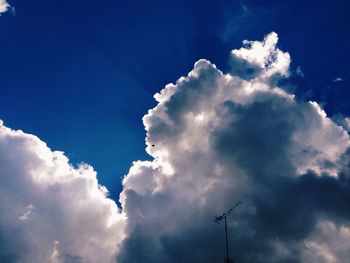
point(4, 6)
point(217, 138)
point(51, 211)
point(260, 59)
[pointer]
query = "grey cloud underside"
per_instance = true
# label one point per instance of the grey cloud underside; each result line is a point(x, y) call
point(217, 138)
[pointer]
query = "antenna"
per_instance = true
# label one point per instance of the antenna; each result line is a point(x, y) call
point(218, 219)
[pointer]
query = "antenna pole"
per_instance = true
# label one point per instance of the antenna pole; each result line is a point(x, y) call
point(227, 256)
point(218, 219)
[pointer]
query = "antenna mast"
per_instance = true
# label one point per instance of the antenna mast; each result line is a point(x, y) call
point(224, 216)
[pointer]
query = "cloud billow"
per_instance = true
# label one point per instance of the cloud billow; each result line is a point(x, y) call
point(51, 211)
point(218, 138)
point(4, 6)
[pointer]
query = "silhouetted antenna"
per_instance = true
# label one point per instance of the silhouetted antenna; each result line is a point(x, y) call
point(224, 216)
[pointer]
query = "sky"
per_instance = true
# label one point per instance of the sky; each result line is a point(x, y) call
point(81, 74)
point(264, 122)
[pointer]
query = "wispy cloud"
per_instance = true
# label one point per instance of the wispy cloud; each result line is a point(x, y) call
point(233, 22)
point(299, 72)
point(338, 79)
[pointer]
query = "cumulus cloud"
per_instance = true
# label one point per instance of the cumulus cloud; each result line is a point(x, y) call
point(51, 211)
point(216, 138)
point(260, 59)
point(4, 6)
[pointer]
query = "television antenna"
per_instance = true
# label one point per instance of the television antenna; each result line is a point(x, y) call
point(224, 216)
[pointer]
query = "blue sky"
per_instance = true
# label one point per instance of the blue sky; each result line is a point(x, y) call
point(81, 74)
point(265, 121)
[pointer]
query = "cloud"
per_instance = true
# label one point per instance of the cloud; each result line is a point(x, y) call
point(260, 59)
point(217, 138)
point(51, 211)
point(4, 6)
point(299, 72)
point(234, 20)
point(338, 79)
point(342, 121)
point(328, 243)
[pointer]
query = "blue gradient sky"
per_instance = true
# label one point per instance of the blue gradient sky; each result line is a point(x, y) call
point(81, 74)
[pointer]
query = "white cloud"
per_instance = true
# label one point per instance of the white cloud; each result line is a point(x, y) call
point(261, 59)
point(50, 211)
point(4, 6)
point(229, 137)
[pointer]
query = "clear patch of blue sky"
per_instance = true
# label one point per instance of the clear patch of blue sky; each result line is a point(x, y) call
point(81, 74)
